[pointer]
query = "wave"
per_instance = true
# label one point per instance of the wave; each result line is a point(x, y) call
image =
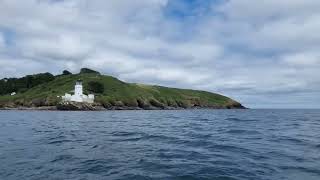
point(239, 120)
point(243, 131)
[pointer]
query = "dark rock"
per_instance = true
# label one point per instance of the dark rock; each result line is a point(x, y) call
point(38, 102)
point(74, 106)
point(143, 104)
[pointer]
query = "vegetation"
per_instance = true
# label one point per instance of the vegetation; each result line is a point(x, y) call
point(20, 85)
point(66, 72)
point(88, 71)
point(95, 87)
point(111, 92)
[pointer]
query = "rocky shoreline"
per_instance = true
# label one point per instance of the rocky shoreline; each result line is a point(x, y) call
point(72, 106)
point(22, 108)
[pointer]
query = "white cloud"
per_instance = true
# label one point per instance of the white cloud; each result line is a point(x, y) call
point(271, 25)
point(19, 67)
point(311, 59)
point(247, 10)
point(61, 47)
point(247, 48)
point(2, 42)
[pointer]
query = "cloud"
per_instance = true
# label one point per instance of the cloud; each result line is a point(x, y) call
point(2, 42)
point(269, 26)
point(61, 47)
point(305, 59)
point(241, 48)
point(20, 67)
point(249, 11)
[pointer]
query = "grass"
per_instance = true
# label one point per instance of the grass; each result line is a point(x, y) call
point(118, 93)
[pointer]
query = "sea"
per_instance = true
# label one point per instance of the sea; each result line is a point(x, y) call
point(182, 144)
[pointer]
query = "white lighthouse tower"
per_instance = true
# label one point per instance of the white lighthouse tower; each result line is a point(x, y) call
point(78, 88)
point(78, 94)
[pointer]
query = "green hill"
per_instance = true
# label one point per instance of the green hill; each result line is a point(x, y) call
point(109, 91)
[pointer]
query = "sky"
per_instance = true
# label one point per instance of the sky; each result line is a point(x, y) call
point(265, 54)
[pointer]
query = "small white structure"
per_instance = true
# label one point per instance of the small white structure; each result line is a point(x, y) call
point(13, 93)
point(78, 95)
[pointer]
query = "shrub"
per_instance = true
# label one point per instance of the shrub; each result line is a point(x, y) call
point(156, 103)
point(52, 101)
point(183, 103)
point(130, 102)
point(66, 72)
point(87, 70)
point(119, 103)
point(172, 103)
point(142, 104)
point(10, 85)
point(95, 87)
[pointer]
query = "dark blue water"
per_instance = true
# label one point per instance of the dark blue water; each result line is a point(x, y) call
point(195, 144)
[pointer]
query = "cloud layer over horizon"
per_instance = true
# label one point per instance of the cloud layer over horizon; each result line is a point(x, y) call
point(263, 54)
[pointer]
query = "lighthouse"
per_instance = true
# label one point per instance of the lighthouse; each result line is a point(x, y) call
point(78, 88)
point(78, 95)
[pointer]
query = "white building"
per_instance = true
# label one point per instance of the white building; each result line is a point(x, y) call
point(78, 95)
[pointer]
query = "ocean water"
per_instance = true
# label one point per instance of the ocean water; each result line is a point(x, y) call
point(191, 144)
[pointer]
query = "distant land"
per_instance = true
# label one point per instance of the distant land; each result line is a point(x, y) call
point(43, 92)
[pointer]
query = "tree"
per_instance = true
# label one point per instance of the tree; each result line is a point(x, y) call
point(66, 72)
point(95, 87)
point(9, 85)
point(86, 70)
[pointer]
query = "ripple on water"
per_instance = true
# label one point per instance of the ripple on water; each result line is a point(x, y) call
point(239, 119)
point(291, 140)
point(204, 144)
point(243, 132)
point(64, 157)
point(140, 136)
point(96, 166)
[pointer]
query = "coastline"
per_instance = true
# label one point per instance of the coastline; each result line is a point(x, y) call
point(91, 91)
point(114, 108)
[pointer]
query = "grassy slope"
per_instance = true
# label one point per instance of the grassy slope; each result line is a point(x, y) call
point(120, 93)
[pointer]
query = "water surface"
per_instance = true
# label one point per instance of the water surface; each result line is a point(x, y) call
point(194, 144)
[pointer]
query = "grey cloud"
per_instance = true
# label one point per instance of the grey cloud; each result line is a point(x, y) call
point(2, 43)
point(248, 51)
